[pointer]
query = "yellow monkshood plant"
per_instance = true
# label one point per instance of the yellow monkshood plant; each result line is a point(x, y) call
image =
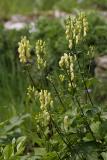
point(65, 129)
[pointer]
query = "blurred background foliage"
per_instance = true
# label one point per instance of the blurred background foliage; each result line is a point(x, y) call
point(32, 6)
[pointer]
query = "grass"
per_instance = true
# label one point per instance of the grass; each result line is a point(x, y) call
point(11, 76)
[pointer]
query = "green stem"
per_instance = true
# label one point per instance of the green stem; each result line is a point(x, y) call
point(68, 144)
point(58, 95)
point(82, 112)
point(85, 84)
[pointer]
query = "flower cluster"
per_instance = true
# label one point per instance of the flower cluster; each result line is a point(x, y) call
point(66, 63)
point(45, 99)
point(31, 92)
point(61, 77)
point(45, 102)
point(24, 50)
point(76, 29)
point(41, 53)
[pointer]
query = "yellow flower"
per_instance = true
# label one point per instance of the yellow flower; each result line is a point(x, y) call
point(66, 62)
point(41, 54)
point(76, 29)
point(24, 50)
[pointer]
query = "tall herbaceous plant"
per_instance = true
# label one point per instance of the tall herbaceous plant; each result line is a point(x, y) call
point(67, 121)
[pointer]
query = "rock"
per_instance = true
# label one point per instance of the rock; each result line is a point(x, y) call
point(14, 25)
point(18, 22)
point(101, 68)
point(59, 14)
point(18, 18)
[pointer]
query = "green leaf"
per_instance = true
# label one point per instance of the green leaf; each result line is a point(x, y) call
point(40, 151)
point(93, 156)
point(104, 115)
point(20, 145)
point(8, 152)
point(50, 156)
point(95, 127)
point(104, 155)
point(88, 137)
